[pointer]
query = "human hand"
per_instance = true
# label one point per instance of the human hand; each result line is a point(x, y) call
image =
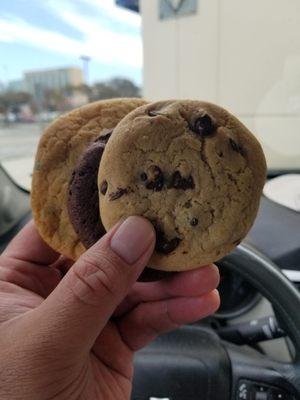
point(70, 331)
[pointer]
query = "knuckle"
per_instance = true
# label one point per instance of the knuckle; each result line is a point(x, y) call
point(155, 320)
point(215, 273)
point(95, 280)
point(171, 321)
point(149, 325)
point(211, 280)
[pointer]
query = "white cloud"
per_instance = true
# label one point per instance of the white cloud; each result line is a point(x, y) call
point(20, 31)
point(104, 45)
point(119, 47)
point(5, 37)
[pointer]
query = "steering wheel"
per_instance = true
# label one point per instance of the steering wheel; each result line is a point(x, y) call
point(194, 363)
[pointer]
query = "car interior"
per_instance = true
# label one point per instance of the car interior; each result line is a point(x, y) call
point(250, 349)
point(241, 55)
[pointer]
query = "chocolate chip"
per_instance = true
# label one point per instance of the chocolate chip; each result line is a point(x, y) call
point(178, 182)
point(155, 178)
point(153, 113)
point(163, 245)
point(190, 182)
point(119, 193)
point(156, 186)
point(143, 176)
point(103, 187)
point(176, 179)
point(233, 145)
point(188, 204)
point(166, 246)
point(194, 222)
point(204, 126)
point(236, 147)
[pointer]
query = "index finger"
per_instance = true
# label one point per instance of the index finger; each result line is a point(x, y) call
point(29, 246)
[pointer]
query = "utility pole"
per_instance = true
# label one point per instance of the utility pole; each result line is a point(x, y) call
point(85, 62)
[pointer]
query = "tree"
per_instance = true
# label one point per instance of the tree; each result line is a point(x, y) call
point(53, 100)
point(13, 100)
point(125, 87)
point(117, 87)
point(83, 88)
point(48, 99)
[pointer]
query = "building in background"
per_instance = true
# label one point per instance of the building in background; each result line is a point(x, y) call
point(241, 55)
point(42, 92)
point(54, 79)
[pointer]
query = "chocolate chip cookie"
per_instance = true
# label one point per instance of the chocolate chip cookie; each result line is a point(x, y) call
point(60, 169)
point(192, 169)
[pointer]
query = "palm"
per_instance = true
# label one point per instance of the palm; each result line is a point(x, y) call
point(117, 382)
point(25, 289)
point(100, 380)
point(29, 273)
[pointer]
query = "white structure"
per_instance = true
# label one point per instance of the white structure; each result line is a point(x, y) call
point(243, 55)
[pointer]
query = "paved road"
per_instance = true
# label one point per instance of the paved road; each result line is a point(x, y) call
point(19, 140)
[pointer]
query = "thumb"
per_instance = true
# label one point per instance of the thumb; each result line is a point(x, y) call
point(80, 306)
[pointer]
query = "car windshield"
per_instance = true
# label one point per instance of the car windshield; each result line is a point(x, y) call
point(59, 55)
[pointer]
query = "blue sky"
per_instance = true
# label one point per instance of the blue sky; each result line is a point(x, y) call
point(54, 33)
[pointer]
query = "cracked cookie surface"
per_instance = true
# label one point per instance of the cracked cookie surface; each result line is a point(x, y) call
point(59, 150)
point(193, 170)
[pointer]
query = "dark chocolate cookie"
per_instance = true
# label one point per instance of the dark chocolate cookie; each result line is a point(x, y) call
point(83, 198)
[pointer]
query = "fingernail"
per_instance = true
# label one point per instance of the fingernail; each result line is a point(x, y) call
point(132, 239)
